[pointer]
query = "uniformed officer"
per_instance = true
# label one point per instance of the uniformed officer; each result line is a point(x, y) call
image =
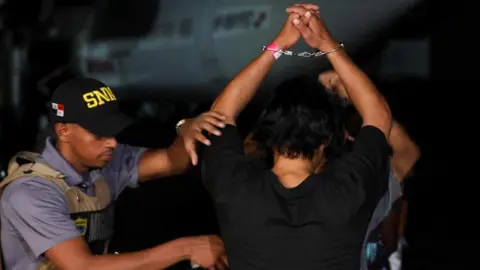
point(56, 207)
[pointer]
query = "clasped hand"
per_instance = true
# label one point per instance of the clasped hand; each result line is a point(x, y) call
point(304, 20)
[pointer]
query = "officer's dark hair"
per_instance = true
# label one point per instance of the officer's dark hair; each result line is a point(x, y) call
point(300, 117)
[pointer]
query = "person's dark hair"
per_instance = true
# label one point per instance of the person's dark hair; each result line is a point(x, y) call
point(301, 117)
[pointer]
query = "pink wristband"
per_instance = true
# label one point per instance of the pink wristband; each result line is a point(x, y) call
point(277, 52)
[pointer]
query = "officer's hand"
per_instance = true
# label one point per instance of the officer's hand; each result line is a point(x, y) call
point(191, 131)
point(222, 262)
point(207, 251)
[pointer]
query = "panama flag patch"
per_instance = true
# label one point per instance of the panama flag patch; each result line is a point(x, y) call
point(58, 109)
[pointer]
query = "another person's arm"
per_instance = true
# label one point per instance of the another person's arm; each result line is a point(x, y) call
point(37, 209)
point(389, 227)
point(74, 254)
point(362, 92)
point(156, 163)
point(405, 151)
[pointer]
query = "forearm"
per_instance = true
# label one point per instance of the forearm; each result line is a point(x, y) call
point(403, 218)
point(243, 87)
point(363, 94)
point(157, 163)
point(178, 157)
point(159, 257)
point(405, 151)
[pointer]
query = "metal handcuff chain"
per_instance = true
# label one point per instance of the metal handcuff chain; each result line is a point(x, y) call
point(303, 54)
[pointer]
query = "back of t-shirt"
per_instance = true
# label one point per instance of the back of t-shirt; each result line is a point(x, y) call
point(320, 224)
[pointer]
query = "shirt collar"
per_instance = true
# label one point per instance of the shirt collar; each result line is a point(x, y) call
point(56, 161)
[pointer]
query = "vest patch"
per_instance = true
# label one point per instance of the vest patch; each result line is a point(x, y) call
point(82, 225)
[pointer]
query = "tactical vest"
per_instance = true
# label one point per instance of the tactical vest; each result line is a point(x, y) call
point(93, 215)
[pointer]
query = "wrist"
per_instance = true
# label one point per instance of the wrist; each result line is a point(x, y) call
point(329, 46)
point(167, 254)
point(183, 245)
point(180, 125)
point(274, 49)
point(280, 44)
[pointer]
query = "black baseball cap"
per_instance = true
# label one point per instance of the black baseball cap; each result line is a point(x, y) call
point(90, 104)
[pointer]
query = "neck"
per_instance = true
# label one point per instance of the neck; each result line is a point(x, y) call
point(66, 151)
point(321, 166)
point(292, 172)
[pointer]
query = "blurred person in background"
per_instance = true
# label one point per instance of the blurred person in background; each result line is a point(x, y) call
point(385, 231)
point(56, 208)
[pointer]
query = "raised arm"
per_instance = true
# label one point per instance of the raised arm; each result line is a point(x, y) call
point(244, 86)
point(405, 151)
point(363, 94)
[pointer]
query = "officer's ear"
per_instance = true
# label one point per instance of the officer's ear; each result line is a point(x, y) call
point(62, 132)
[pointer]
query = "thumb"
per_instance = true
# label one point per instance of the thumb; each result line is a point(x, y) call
point(192, 153)
point(323, 79)
point(306, 17)
point(302, 28)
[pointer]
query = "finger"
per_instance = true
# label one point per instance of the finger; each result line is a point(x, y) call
point(192, 153)
point(325, 84)
point(214, 121)
point(293, 16)
point(306, 18)
point(219, 265)
point(201, 138)
point(308, 6)
point(216, 115)
point(315, 21)
point(332, 79)
point(194, 157)
point(310, 14)
point(297, 9)
point(217, 241)
point(314, 12)
point(302, 27)
point(211, 128)
point(225, 260)
point(325, 79)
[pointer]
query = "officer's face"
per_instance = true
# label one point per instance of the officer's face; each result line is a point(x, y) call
point(92, 151)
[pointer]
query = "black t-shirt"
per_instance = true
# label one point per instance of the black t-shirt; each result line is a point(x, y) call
point(320, 224)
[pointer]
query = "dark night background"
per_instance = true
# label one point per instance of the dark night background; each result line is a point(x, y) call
point(163, 210)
